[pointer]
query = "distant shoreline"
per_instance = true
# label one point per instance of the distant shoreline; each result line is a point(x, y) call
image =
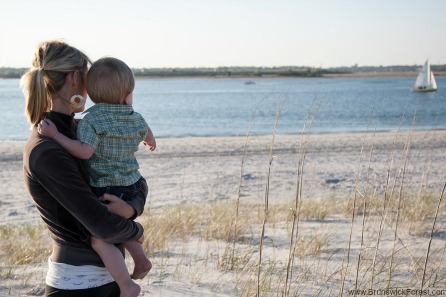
point(331, 75)
point(383, 74)
point(315, 134)
point(265, 72)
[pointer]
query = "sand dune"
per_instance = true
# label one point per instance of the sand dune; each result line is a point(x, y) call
point(205, 170)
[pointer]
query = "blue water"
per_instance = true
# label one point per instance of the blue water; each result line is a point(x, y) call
point(226, 107)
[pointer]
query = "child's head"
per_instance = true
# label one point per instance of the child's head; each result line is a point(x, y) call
point(109, 80)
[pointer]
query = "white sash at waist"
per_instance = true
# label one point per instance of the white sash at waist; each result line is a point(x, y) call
point(69, 277)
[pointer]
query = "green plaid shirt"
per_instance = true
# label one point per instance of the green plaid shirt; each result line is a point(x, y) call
point(115, 132)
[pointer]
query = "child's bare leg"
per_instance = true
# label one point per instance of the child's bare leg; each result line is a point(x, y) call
point(142, 264)
point(115, 264)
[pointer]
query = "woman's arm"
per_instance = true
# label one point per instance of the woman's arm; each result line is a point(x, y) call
point(74, 147)
point(58, 173)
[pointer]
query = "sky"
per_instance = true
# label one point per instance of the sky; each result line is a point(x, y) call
point(218, 33)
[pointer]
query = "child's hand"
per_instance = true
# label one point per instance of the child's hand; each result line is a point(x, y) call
point(150, 140)
point(47, 128)
point(151, 144)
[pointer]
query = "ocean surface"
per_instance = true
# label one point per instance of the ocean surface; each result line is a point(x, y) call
point(228, 107)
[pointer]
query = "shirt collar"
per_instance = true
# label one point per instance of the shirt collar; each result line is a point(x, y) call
point(117, 108)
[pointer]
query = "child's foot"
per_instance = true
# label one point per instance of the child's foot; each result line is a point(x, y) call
point(141, 269)
point(130, 290)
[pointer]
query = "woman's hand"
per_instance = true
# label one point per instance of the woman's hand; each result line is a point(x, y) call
point(117, 206)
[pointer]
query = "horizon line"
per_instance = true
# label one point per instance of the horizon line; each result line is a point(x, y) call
point(277, 66)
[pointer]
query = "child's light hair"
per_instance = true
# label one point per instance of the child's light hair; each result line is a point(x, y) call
point(109, 80)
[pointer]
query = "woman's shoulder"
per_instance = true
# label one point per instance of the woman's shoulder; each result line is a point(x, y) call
point(41, 149)
point(38, 144)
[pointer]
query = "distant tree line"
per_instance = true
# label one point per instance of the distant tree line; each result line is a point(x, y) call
point(12, 72)
point(230, 72)
point(283, 71)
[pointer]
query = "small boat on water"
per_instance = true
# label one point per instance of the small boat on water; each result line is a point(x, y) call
point(425, 80)
point(250, 82)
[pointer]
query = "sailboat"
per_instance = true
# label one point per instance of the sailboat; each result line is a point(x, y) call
point(425, 80)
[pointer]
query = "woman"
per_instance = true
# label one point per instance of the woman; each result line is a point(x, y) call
point(55, 89)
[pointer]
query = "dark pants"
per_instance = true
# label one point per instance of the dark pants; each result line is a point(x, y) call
point(135, 194)
point(108, 290)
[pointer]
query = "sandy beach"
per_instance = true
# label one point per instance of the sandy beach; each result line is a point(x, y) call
point(197, 170)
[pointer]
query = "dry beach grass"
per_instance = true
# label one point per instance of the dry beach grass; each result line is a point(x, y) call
point(338, 212)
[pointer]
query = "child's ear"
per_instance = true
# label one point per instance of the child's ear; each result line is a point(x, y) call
point(128, 99)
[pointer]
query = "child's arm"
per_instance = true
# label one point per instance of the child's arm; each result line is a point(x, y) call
point(150, 140)
point(74, 147)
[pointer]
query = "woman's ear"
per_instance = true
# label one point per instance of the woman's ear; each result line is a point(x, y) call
point(70, 77)
point(74, 78)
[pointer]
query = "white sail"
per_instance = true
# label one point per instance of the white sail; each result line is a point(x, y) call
point(425, 81)
point(433, 82)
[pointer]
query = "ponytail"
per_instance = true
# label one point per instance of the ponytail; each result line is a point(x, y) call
point(38, 101)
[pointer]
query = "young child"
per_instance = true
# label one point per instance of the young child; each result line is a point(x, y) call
point(108, 137)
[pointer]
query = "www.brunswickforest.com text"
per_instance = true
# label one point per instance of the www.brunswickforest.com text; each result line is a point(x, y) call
point(397, 292)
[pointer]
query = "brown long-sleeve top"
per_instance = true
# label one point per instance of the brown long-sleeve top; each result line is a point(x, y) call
point(57, 182)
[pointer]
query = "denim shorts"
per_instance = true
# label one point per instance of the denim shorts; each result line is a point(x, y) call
point(134, 194)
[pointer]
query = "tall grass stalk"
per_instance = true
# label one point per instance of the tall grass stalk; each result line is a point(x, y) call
point(266, 199)
point(237, 200)
point(386, 201)
point(344, 270)
point(432, 235)
point(297, 200)
point(364, 212)
point(400, 198)
point(424, 177)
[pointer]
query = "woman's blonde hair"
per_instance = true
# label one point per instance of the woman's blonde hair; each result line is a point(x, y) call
point(109, 80)
point(51, 63)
